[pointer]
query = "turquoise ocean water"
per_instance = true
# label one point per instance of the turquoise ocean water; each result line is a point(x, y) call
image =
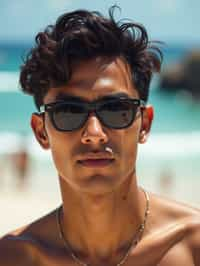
point(174, 142)
point(172, 113)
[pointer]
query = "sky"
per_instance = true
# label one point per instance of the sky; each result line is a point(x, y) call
point(174, 21)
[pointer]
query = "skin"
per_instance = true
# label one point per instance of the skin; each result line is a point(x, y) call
point(103, 206)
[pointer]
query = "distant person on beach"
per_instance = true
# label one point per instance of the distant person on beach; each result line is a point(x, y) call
point(89, 76)
point(166, 181)
point(2, 173)
point(20, 165)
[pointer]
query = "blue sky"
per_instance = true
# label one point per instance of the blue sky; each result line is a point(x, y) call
point(166, 20)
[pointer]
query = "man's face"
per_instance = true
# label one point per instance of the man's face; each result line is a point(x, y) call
point(92, 80)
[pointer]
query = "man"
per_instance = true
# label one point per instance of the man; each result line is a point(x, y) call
point(89, 77)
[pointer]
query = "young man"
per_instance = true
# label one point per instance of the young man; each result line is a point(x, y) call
point(89, 77)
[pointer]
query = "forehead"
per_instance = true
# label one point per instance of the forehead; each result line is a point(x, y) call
point(96, 78)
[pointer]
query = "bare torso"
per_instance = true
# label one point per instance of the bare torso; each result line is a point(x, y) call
point(172, 237)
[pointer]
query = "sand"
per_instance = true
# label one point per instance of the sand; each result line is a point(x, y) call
point(19, 207)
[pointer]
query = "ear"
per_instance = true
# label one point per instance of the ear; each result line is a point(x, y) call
point(147, 118)
point(38, 127)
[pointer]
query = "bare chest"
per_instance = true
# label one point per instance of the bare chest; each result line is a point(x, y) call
point(176, 256)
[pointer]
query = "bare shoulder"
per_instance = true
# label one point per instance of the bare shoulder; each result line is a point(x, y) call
point(172, 210)
point(21, 246)
point(14, 250)
point(166, 211)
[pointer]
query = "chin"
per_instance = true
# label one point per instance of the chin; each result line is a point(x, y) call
point(99, 184)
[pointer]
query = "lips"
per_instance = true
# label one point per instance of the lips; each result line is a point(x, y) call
point(96, 160)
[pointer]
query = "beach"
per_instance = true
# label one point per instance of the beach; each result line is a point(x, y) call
point(168, 164)
point(20, 208)
point(174, 177)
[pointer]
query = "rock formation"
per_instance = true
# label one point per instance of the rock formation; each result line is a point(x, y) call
point(184, 76)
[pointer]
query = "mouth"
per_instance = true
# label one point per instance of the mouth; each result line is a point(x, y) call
point(96, 162)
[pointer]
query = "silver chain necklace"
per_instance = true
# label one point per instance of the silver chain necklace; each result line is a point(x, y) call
point(136, 238)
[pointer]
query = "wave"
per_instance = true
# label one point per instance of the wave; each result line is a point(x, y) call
point(178, 144)
point(14, 142)
point(161, 146)
point(9, 81)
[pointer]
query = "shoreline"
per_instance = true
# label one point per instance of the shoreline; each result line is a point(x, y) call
point(21, 207)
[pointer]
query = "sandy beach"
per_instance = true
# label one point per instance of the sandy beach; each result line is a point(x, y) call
point(22, 206)
point(19, 209)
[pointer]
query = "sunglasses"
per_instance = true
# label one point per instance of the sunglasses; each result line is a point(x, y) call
point(70, 115)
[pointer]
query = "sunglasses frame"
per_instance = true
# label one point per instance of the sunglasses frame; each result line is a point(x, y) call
point(90, 107)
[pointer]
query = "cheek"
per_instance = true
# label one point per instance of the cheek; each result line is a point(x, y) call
point(129, 145)
point(61, 146)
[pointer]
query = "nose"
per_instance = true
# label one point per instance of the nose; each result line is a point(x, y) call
point(93, 132)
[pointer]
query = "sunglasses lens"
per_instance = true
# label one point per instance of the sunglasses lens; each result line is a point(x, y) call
point(117, 114)
point(68, 116)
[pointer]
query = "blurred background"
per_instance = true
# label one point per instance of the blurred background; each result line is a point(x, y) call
point(169, 164)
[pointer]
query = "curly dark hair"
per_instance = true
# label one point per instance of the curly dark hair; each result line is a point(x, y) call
point(82, 35)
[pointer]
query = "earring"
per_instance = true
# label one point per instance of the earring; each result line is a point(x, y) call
point(142, 136)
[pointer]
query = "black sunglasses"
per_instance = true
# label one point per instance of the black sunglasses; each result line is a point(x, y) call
point(70, 115)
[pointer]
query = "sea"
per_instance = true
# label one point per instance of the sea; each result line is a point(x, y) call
point(169, 161)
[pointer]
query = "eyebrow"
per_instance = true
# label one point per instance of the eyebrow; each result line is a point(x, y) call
point(67, 96)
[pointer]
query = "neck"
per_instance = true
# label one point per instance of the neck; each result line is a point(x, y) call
point(102, 226)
